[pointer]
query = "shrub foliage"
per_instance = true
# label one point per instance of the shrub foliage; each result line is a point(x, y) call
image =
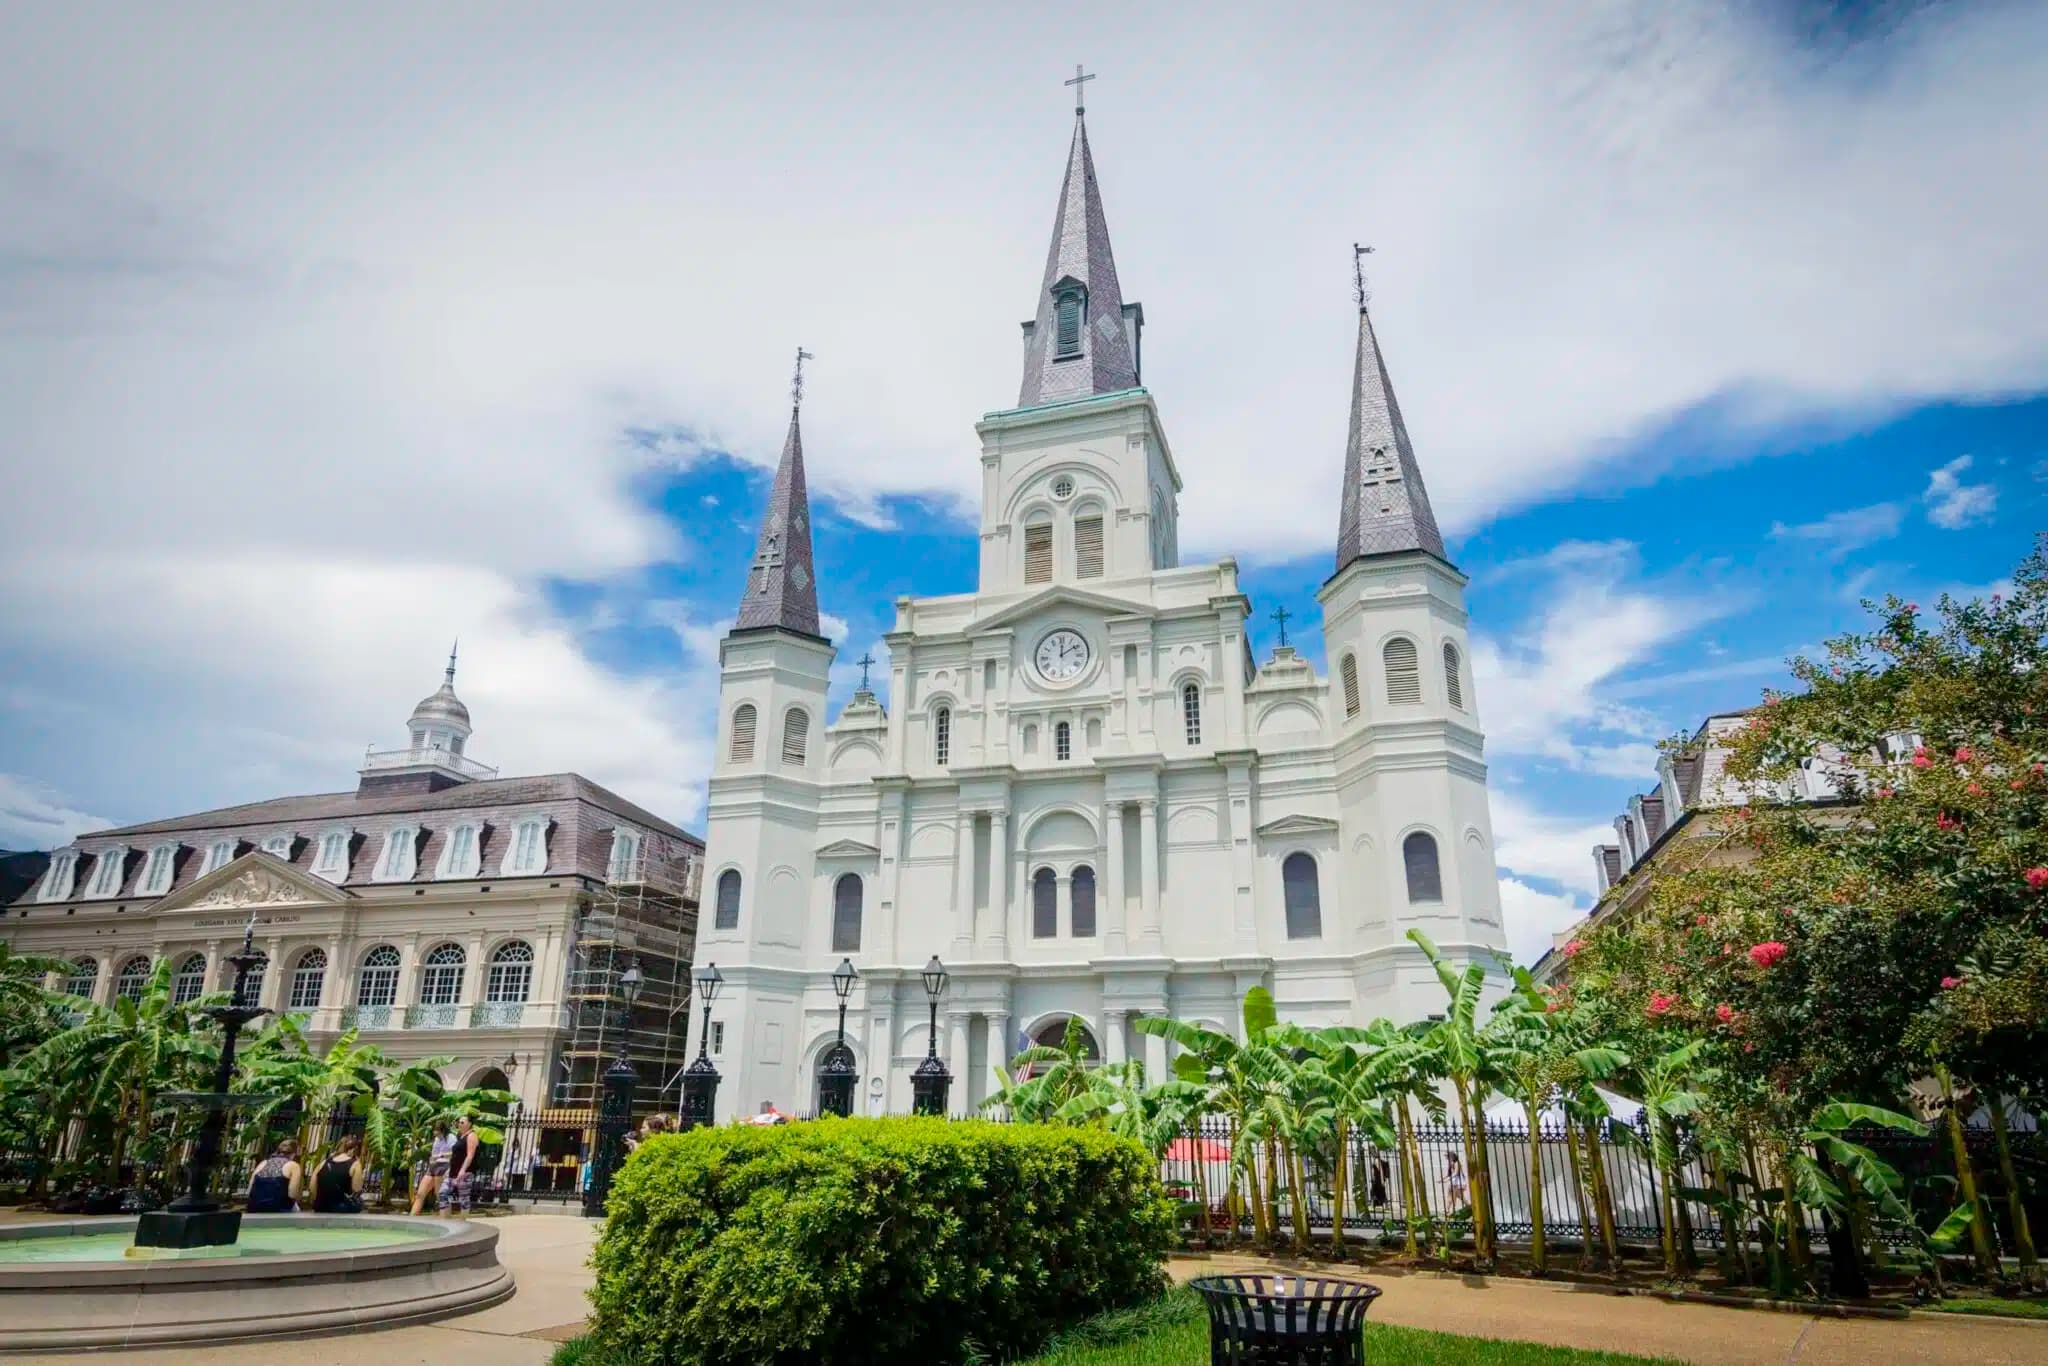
point(873, 1240)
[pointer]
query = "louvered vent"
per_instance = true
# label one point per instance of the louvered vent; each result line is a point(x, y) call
point(743, 734)
point(1453, 688)
point(1404, 674)
point(1038, 553)
point(1349, 668)
point(1088, 547)
point(796, 733)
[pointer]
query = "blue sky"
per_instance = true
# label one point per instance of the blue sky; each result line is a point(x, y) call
point(328, 335)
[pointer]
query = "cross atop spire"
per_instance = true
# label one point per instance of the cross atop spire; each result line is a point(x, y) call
point(1080, 81)
point(1385, 508)
point(782, 590)
point(1083, 338)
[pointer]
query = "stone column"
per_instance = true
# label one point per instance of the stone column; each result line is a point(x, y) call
point(1000, 1046)
point(999, 884)
point(408, 972)
point(963, 886)
point(1112, 910)
point(1063, 904)
point(219, 975)
point(881, 1056)
point(271, 994)
point(334, 985)
point(1155, 1059)
point(103, 985)
point(1113, 1044)
point(1148, 855)
point(472, 974)
point(956, 1063)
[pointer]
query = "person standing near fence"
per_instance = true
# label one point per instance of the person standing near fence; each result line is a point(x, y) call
point(462, 1168)
point(436, 1174)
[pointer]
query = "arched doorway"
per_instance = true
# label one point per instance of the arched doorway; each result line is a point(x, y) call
point(1053, 1034)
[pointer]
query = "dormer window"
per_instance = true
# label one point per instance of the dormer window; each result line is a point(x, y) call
point(529, 849)
point(59, 878)
point(1070, 318)
point(461, 856)
point(156, 874)
point(625, 856)
point(397, 863)
point(278, 846)
point(217, 855)
point(332, 860)
point(106, 874)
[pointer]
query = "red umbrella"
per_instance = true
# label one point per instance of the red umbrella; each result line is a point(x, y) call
point(1197, 1150)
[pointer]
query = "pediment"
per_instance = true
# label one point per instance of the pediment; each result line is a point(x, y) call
point(1057, 595)
point(1299, 825)
point(849, 849)
point(254, 879)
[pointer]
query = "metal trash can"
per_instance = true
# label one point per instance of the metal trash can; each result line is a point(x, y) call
point(1285, 1320)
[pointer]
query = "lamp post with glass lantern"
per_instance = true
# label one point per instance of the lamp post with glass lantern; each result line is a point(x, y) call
point(836, 1077)
point(930, 1082)
point(615, 1117)
point(700, 1078)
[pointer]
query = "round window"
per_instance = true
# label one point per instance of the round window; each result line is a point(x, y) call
point(1063, 487)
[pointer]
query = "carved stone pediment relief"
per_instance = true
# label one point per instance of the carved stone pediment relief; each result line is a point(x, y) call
point(252, 887)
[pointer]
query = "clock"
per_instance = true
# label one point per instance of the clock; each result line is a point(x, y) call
point(1061, 656)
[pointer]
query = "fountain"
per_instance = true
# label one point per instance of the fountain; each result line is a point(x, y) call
point(199, 1272)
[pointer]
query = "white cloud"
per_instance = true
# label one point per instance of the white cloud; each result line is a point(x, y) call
point(1840, 533)
point(1952, 504)
point(1531, 917)
point(1533, 843)
point(35, 816)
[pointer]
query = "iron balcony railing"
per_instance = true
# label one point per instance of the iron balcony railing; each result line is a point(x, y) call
point(434, 1017)
point(497, 1014)
point(368, 1017)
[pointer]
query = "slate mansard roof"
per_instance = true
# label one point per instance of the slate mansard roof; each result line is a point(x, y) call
point(581, 816)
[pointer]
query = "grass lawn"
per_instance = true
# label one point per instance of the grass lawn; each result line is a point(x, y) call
point(1175, 1332)
point(1991, 1308)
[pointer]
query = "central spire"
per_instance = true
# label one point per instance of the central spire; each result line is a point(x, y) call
point(782, 589)
point(1084, 338)
point(1386, 508)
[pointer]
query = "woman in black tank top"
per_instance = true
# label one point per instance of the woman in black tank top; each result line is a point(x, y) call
point(340, 1178)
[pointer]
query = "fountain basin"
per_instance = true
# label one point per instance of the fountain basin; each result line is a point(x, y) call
point(69, 1285)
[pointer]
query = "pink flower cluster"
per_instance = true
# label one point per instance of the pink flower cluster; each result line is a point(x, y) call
point(1725, 1013)
point(1921, 759)
point(1571, 950)
point(2037, 878)
point(1768, 953)
point(1951, 983)
point(1660, 1003)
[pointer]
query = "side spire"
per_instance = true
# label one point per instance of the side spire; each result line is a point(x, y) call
point(1084, 337)
point(1385, 508)
point(782, 589)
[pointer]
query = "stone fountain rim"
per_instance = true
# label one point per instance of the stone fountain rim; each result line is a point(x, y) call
point(455, 1238)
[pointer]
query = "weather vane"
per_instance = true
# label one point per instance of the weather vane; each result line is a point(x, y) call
point(1080, 84)
point(1281, 614)
point(865, 662)
point(796, 384)
point(1358, 255)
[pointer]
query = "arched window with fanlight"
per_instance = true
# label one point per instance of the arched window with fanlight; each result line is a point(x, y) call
point(441, 975)
point(377, 982)
point(1404, 672)
point(726, 909)
point(509, 980)
point(1082, 890)
point(1454, 687)
point(1302, 891)
point(846, 913)
point(84, 976)
point(189, 981)
point(309, 978)
point(942, 736)
point(133, 979)
point(252, 981)
point(1191, 711)
point(1045, 905)
point(1419, 860)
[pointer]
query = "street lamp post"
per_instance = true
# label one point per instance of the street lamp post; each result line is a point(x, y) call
point(930, 1082)
point(835, 1082)
point(615, 1117)
point(700, 1078)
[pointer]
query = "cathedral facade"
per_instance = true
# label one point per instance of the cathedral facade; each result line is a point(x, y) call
point(1085, 796)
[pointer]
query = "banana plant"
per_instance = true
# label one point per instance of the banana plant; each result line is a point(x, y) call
point(1463, 1057)
point(1668, 1088)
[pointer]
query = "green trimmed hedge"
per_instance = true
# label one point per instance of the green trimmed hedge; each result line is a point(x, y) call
point(848, 1241)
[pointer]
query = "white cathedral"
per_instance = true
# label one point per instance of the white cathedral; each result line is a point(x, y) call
point(1085, 796)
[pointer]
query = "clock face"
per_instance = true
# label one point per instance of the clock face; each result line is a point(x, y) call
point(1061, 656)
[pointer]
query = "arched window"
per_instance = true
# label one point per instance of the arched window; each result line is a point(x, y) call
point(1453, 687)
point(1347, 669)
point(1304, 896)
point(846, 899)
point(1083, 893)
point(1063, 742)
point(401, 851)
point(727, 914)
point(377, 983)
point(85, 975)
point(625, 860)
point(441, 976)
point(1045, 907)
point(308, 978)
point(1425, 878)
point(108, 873)
point(1404, 674)
point(510, 979)
point(218, 854)
point(462, 855)
point(743, 734)
point(133, 980)
point(189, 980)
point(1191, 711)
point(156, 874)
point(252, 985)
point(796, 736)
point(942, 736)
point(528, 850)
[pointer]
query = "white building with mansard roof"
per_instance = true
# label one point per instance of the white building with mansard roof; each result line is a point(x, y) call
point(438, 908)
point(1085, 795)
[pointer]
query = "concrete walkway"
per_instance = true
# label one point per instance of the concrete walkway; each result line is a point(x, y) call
point(1583, 1316)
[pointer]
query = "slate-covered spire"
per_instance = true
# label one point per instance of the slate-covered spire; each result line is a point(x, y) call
point(1081, 342)
point(1385, 507)
point(782, 587)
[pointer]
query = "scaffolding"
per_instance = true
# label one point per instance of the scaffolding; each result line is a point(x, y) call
point(645, 916)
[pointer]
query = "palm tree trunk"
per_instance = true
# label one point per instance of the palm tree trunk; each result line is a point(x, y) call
point(1538, 1250)
point(1966, 1178)
point(1343, 1181)
point(2015, 1207)
point(1603, 1197)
